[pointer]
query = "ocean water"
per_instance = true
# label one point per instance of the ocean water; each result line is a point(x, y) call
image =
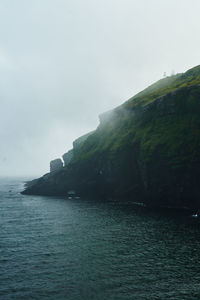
point(56, 248)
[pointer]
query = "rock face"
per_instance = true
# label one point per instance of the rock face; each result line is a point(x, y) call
point(81, 140)
point(67, 157)
point(146, 150)
point(56, 165)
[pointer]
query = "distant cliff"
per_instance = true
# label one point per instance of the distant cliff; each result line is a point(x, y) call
point(147, 149)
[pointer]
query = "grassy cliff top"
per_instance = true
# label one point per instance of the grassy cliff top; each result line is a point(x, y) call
point(164, 86)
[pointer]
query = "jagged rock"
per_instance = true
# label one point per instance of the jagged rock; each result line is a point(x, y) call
point(56, 165)
point(67, 157)
point(81, 139)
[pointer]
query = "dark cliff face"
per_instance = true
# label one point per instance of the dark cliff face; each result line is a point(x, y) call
point(56, 165)
point(145, 152)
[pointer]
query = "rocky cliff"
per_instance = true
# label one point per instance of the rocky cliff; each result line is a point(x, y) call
point(67, 157)
point(56, 165)
point(146, 150)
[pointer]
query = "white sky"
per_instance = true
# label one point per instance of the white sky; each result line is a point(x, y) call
point(63, 62)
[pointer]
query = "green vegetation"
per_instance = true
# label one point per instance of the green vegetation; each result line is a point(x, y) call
point(164, 86)
point(149, 129)
point(146, 149)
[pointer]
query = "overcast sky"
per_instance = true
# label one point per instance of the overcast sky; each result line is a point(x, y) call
point(63, 62)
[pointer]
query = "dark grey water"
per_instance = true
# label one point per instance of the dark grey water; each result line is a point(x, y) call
point(54, 248)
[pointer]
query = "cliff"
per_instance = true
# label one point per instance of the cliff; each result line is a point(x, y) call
point(147, 149)
point(56, 165)
point(67, 157)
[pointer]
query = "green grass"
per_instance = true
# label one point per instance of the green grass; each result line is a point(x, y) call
point(164, 86)
point(175, 135)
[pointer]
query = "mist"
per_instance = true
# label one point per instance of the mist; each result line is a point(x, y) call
point(62, 63)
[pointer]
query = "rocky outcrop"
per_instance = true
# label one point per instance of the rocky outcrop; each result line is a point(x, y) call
point(81, 140)
point(67, 157)
point(56, 165)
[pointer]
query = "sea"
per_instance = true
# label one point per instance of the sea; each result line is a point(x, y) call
point(84, 249)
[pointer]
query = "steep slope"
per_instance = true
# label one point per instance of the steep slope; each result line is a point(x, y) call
point(147, 149)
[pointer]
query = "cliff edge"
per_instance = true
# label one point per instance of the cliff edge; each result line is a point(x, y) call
point(147, 149)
